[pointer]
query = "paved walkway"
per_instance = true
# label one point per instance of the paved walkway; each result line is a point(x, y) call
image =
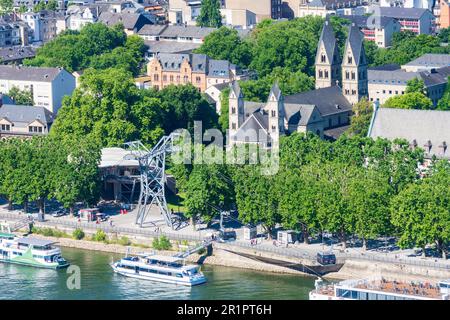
point(126, 223)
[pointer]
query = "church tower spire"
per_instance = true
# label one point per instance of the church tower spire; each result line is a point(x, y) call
point(354, 66)
point(328, 62)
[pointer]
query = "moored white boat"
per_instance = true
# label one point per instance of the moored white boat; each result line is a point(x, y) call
point(30, 251)
point(159, 268)
point(381, 289)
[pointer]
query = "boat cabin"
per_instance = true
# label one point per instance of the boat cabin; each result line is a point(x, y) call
point(36, 244)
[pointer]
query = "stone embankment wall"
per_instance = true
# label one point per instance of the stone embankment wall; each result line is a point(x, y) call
point(221, 255)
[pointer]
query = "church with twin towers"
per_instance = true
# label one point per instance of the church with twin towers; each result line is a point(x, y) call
point(340, 82)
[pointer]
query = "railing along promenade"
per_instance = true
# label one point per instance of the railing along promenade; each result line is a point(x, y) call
point(282, 251)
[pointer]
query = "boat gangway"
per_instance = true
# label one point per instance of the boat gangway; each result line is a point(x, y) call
point(17, 225)
point(194, 249)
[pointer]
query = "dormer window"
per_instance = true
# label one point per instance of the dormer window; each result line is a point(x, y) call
point(35, 129)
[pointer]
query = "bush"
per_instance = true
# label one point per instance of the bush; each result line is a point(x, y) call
point(161, 243)
point(99, 236)
point(48, 232)
point(78, 234)
point(124, 241)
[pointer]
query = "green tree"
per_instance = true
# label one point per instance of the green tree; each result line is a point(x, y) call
point(76, 175)
point(444, 102)
point(298, 195)
point(6, 6)
point(52, 5)
point(21, 97)
point(422, 211)
point(74, 50)
point(39, 6)
point(224, 112)
point(256, 197)
point(207, 188)
point(415, 85)
point(369, 196)
point(210, 14)
point(413, 100)
point(360, 120)
point(225, 44)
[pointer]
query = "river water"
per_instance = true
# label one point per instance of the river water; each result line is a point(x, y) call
point(99, 282)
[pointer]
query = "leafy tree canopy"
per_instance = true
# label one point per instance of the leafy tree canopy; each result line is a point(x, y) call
point(413, 100)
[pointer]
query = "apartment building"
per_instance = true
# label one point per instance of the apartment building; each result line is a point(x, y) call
point(419, 21)
point(441, 11)
point(377, 29)
point(45, 25)
point(13, 33)
point(263, 9)
point(197, 69)
point(184, 11)
point(384, 84)
point(48, 85)
point(322, 8)
point(24, 121)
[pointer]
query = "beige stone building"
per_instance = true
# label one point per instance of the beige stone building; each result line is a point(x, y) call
point(263, 9)
point(384, 84)
point(322, 8)
point(197, 69)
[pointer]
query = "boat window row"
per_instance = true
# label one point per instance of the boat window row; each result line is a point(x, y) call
point(362, 295)
point(148, 270)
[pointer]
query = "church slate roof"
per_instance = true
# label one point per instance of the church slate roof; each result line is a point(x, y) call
point(355, 42)
point(328, 100)
point(329, 41)
point(423, 126)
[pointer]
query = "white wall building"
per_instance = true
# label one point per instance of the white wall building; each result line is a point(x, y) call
point(48, 85)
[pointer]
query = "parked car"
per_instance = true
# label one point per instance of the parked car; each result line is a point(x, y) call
point(59, 213)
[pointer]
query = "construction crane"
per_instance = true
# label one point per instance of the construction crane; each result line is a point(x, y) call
point(152, 164)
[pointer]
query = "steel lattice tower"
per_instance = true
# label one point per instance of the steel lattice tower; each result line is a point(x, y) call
point(152, 164)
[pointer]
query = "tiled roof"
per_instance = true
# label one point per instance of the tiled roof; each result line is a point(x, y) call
point(16, 53)
point(200, 63)
point(328, 40)
point(25, 114)
point(421, 126)
point(403, 13)
point(431, 60)
point(355, 42)
point(129, 20)
point(29, 73)
point(156, 47)
point(361, 21)
point(328, 100)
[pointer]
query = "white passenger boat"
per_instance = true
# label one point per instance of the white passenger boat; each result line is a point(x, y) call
point(159, 268)
point(30, 251)
point(381, 289)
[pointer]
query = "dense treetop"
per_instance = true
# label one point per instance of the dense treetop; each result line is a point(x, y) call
point(95, 45)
